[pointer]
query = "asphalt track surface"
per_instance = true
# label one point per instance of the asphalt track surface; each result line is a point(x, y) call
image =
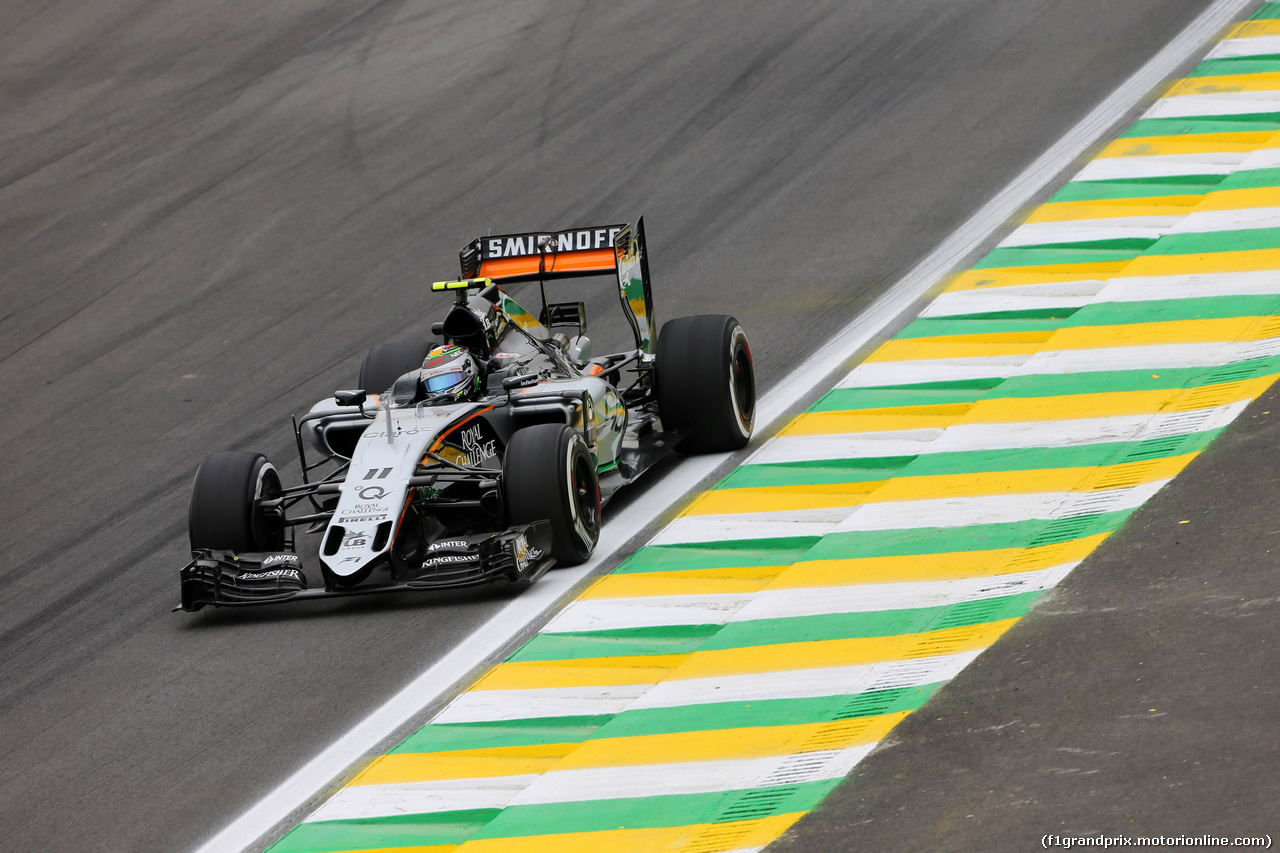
point(209, 213)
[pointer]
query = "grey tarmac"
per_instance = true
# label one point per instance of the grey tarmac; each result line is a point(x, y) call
point(209, 212)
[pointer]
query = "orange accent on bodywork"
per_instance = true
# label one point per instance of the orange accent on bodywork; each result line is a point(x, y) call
point(455, 427)
point(595, 370)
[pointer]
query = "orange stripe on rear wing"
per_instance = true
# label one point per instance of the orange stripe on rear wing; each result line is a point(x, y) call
point(588, 262)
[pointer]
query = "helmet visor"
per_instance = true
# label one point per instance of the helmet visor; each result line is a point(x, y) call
point(442, 382)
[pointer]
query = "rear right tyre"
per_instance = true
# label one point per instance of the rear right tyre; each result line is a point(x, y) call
point(706, 382)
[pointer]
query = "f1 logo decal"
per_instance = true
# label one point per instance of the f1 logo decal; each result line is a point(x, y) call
point(374, 471)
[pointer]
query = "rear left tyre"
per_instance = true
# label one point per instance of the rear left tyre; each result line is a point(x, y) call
point(548, 473)
point(226, 512)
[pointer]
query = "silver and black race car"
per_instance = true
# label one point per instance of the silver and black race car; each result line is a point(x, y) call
point(486, 456)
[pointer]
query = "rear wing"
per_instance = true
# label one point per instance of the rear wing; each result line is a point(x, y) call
point(544, 256)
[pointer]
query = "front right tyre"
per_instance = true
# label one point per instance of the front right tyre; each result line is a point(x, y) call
point(226, 512)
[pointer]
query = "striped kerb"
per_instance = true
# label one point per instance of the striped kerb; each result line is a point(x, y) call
point(719, 683)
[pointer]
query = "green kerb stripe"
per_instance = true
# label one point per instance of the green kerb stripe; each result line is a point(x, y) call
point(766, 712)
point(1237, 65)
point(1258, 122)
point(447, 737)
point(641, 812)
point(741, 553)
point(1049, 256)
point(1217, 241)
point(1137, 188)
point(372, 833)
point(616, 642)
point(1102, 314)
point(875, 623)
point(975, 537)
point(1252, 179)
point(779, 474)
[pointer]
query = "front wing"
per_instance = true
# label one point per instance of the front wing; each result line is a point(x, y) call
point(520, 554)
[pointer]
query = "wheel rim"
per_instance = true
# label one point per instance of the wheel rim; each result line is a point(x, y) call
point(584, 496)
point(267, 525)
point(742, 386)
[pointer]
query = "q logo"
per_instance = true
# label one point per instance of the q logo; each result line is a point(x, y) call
point(372, 493)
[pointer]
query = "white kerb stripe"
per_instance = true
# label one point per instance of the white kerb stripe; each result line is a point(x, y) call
point(1190, 286)
point(870, 598)
point(1256, 46)
point(1000, 436)
point(1090, 230)
point(839, 682)
point(1161, 165)
point(480, 706)
point(1240, 219)
point(1067, 294)
point(596, 614)
point(991, 509)
point(363, 802)
point(689, 777)
point(1221, 104)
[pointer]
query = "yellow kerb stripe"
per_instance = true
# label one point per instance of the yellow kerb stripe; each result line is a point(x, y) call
point(463, 764)
point(931, 567)
point(991, 410)
point(819, 654)
point(1246, 261)
point(876, 420)
point(617, 671)
point(1265, 81)
point(905, 488)
point(1241, 199)
point(590, 672)
point(1215, 330)
point(686, 582)
point(1076, 211)
point(671, 839)
point(1199, 143)
point(1254, 29)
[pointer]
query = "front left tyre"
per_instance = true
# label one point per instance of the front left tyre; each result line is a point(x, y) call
point(226, 512)
point(548, 473)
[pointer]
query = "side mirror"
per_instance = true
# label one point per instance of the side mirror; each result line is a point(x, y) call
point(350, 398)
point(437, 328)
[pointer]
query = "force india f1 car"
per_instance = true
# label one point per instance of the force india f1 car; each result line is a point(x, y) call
point(488, 457)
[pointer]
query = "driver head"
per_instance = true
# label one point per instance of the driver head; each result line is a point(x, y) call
point(451, 371)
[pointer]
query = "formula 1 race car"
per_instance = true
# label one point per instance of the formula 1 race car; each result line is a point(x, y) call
point(487, 456)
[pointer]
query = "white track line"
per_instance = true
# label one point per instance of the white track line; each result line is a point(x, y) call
point(450, 673)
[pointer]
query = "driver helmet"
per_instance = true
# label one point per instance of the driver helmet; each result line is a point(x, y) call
point(450, 370)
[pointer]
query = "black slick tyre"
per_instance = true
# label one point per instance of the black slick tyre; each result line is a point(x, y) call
point(548, 473)
point(226, 511)
point(386, 363)
point(706, 382)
